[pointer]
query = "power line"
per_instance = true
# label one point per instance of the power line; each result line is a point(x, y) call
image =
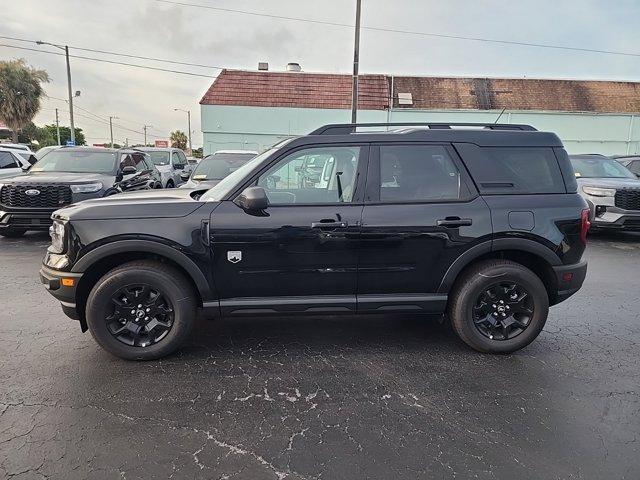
point(405, 32)
point(107, 52)
point(101, 60)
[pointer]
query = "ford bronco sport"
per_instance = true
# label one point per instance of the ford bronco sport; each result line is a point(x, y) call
point(480, 223)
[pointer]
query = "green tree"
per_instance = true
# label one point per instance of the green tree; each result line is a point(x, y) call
point(20, 94)
point(179, 139)
point(65, 134)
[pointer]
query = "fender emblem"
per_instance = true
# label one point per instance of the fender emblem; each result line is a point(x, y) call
point(234, 256)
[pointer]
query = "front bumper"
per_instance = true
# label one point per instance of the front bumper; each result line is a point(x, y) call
point(569, 279)
point(25, 219)
point(63, 291)
point(605, 215)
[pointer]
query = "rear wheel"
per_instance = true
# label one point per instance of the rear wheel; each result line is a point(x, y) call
point(170, 184)
point(142, 310)
point(498, 306)
point(12, 232)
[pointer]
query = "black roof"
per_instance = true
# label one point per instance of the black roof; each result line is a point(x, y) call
point(488, 135)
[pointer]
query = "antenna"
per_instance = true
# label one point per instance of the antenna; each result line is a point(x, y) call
point(500, 115)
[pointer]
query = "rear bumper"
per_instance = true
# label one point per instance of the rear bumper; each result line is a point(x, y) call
point(65, 294)
point(569, 279)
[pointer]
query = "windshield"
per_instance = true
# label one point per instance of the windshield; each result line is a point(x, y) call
point(599, 167)
point(159, 158)
point(220, 165)
point(76, 161)
point(223, 188)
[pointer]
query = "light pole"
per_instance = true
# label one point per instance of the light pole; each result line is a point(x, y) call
point(188, 112)
point(57, 126)
point(66, 54)
point(356, 62)
point(111, 128)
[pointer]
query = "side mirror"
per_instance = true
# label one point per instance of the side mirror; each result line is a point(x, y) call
point(253, 199)
point(129, 170)
point(25, 168)
point(178, 166)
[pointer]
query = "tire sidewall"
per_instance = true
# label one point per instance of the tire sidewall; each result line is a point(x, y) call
point(98, 304)
point(483, 279)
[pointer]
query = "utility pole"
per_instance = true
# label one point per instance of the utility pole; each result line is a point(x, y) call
point(57, 126)
point(66, 54)
point(188, 112)
point(144, 127)
point(356, 61)
point(111, 128)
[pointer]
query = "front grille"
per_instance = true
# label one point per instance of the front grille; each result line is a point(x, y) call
point(49, 196)
point(628, 199)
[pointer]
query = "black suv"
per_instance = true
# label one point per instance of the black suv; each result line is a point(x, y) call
point(481, 223)
point(68, 175)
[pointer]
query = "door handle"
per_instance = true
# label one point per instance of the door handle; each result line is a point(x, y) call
point(329, 223)
point(452, 222)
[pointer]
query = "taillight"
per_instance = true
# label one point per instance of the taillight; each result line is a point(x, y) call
point(585, 225)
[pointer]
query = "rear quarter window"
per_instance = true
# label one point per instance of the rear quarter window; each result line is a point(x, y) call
point(513, 170)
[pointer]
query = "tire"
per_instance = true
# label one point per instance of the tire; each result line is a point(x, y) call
point(473, 306)
point(11, 232)
point(169, 184)
point(173, 290)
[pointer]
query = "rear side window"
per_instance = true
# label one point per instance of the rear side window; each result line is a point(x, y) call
point(7, 161)
point(414, 173)
point(513, 170)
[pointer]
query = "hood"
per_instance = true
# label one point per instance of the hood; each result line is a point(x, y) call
point(147, 204)
point(200, 185)
point(609, 182)
point(62, 177)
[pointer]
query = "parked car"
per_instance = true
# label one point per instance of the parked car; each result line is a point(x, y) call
point(483, 224)
point(70, 175)
point(632, 162)
point(170, 162)
point(610, 189)
point(215, 167)
point(12, 163)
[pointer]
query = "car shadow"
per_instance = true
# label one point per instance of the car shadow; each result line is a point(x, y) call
point(614, 236)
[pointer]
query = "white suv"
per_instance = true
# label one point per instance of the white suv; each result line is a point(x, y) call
point(12, 163)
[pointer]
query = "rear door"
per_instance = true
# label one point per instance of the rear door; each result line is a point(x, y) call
point(421, 213)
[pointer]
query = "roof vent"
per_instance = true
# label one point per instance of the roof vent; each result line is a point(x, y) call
point(293, 67)
point(405, 99)
point(264, 66)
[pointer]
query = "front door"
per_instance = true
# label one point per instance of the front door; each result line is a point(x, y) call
point(301, 253)
point(421, 213)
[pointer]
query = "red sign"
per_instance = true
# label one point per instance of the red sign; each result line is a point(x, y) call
point(162, 143)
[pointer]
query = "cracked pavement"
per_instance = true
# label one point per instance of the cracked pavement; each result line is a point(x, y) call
point(325, 398)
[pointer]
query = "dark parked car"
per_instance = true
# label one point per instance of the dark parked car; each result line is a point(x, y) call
point(611, 191)
point(217, 166)
point(483, 224)
point(69, 175)
point(632, 162)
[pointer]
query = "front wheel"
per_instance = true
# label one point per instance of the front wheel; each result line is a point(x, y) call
point(142, 310)
point(498, 306)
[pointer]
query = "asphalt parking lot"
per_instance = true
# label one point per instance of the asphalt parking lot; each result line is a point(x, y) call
point(379, 398)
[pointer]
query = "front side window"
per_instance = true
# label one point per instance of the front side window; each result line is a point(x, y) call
point(414, 173)
point(289, 181)
point(7, 161)
point(159, 158)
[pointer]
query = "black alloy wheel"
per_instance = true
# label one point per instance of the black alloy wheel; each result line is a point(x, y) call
point(142, 315)
point(503, 311)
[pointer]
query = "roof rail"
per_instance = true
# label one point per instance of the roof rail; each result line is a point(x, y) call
point(346, 128)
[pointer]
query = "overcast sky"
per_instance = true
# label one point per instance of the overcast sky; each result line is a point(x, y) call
point(154, 29)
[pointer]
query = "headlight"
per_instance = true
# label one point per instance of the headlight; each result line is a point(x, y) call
point(57, 233)
point(86, 188)
point(599, 192)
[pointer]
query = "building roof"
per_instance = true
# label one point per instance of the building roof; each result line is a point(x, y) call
point(519, 94)
point(296, 89)
point(322, 90)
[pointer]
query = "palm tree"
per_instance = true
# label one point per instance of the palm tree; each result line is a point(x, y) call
point(20, 94)
point(178, 140)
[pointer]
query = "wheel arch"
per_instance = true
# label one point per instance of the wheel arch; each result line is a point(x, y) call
point(533, 255)
point(100, 260)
